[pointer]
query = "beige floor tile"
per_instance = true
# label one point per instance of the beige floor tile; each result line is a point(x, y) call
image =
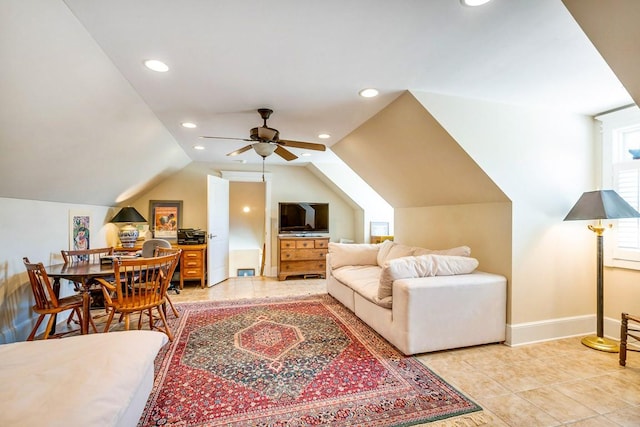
point(558, 405)
point(516, 411)
point(599, 421)
point(586, 391)
point(628, 417)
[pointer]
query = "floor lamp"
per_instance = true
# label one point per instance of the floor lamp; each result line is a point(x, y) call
point(599, 205)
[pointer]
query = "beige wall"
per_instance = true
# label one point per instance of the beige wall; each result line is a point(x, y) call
point(289, 183)
point(484, 227)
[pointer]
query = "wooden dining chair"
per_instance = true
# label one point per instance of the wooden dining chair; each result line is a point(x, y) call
point(163, 251)
point(46, 301)
point(140, 285)
point(629, 327)
point(86, 256)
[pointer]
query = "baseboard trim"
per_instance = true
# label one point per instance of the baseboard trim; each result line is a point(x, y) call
point(547, 330)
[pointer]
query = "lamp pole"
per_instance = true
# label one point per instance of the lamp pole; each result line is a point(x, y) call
point(599, 342)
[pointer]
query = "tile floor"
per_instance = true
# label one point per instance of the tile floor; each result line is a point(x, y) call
point(547, 384)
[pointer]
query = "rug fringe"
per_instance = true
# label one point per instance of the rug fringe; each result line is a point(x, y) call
point(468, 420)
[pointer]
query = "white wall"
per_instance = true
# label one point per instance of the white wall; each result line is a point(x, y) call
point(37, 230)
point(543, 161)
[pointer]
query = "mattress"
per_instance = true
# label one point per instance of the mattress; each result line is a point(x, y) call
point(90, 380)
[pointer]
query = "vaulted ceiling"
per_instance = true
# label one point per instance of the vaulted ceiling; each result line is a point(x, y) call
point(83, 121)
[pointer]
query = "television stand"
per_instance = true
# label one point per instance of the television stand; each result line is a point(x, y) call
point(302, 256)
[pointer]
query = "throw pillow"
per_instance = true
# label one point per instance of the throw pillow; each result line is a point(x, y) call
point(385, 247)
point(422, 266)
point(457, 251)
point(353, 254)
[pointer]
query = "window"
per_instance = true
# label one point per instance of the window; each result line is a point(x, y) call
point(621, 172)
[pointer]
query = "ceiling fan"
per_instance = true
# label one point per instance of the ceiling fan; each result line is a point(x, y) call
point(265, 141)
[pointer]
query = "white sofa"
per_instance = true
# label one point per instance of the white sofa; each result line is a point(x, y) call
point(87, 380)
point(418, 299)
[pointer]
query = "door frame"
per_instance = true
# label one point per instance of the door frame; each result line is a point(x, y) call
point(244, 176)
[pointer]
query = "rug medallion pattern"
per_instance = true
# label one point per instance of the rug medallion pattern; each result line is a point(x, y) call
point(294, 362)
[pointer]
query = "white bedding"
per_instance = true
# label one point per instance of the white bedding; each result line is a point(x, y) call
point(91, 380)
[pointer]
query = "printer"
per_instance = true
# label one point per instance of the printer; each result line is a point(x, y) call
point(191, 236)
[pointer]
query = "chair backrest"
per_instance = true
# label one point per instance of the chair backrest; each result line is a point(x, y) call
point(169, 251)
point(143, 281)
point(85, 255)
point(41, 287)
point(149, 246)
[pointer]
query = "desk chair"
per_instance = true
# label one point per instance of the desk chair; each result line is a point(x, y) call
point(162, 251)
point(150, 278)
point(629, 327)
point(46, 301)
point(149, 250)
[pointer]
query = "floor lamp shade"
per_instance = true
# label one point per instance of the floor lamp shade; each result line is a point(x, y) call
point(128, 233)
point(599, 205)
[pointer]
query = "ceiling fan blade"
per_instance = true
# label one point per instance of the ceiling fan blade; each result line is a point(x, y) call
point(240, 150)
point(224, 137)
point(285, 154)
point(300, 144)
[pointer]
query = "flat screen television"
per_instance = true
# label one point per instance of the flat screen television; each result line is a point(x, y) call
point(303, 218)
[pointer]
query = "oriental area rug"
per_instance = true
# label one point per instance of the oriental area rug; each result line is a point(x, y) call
point(290, 362)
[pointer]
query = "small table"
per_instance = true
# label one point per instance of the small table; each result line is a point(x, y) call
point(83, 273)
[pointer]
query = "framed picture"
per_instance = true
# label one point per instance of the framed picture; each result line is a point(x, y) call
point(165, 217)
point(79, 230)
point(379, 228)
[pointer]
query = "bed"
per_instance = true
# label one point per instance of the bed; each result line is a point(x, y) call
point(89, 380)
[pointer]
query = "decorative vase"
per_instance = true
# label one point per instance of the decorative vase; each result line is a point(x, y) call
point(128, 235)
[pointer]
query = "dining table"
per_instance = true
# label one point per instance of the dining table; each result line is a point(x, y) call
point(85, 274)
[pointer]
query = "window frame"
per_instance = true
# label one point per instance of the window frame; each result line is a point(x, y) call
point(613, 125)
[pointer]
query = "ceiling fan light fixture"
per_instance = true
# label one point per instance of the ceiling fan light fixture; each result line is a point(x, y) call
point(264, 149)
point(155, 65)
point(368, 92)
point(263, 133)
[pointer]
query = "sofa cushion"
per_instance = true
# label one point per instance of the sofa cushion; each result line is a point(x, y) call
point(364, 280)
point(391, 250)
point(422, 266)
point(353, 254)
point(457, 251)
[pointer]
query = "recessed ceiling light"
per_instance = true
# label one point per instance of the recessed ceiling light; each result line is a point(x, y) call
point(306, 154)
point(189, 125)
point(474, 2)
point(368, 93)
point(155, 65)
point(198, 147)
point(324, 136)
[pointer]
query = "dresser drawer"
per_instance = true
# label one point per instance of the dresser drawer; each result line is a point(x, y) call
point(302, 254)
point(303, 267)
point(304, 244)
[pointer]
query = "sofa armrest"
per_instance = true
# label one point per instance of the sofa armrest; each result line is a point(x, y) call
point(452, 311)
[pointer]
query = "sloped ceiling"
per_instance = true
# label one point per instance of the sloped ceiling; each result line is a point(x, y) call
point(72, 129)
point(614, 29)
point(411, 160)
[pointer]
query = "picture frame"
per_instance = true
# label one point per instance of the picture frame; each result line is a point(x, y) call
point(165, 218)
point(379, 229)
point(79, 230)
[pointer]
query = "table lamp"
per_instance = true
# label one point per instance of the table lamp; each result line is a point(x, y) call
point(128, 233)
point(601, 204)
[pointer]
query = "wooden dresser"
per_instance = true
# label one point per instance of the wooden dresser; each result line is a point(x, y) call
point(302, 256)
point(193, 263)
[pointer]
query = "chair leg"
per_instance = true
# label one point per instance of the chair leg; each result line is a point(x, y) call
point(175, 312)
point(109, 320)
point(624, 325)
point(126, 321)
point(92, 323)
point(165, 323)
point(32, 335)
point(49, 327)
